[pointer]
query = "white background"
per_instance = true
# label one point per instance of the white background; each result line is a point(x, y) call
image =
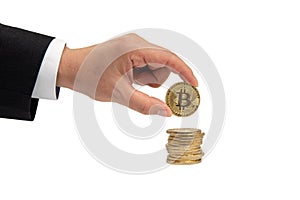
point(255, 46)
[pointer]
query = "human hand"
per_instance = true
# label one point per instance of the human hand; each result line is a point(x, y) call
point(106, 72)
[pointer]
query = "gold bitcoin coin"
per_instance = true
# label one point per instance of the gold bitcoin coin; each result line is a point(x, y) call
point(198, 152)
point(181, 148)
point(183, 99)
point(184, 157)
point(184, 141)
point(183, 130)
point(185, 162)
point(186, 137)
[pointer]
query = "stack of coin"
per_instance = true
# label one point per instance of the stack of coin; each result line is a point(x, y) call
point(184, 146)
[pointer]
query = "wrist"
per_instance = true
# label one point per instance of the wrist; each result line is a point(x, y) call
point(70, 63)
point(64, 77)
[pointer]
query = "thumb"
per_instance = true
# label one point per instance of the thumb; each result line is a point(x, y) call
point(145, 104)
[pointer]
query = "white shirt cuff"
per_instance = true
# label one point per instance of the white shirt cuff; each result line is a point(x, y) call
point(45, 85)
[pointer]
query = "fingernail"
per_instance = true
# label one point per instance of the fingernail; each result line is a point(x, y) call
point(162, 113)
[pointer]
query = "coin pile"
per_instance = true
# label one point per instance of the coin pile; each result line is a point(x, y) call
point(184, 146)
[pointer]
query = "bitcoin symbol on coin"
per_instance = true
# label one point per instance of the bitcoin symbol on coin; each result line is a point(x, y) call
point(183, 99)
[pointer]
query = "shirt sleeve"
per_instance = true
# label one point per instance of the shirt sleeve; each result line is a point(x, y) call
point(45, 85)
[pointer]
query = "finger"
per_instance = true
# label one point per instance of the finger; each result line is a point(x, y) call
point(153, 78)
point(161, 74)
point(154, 85)
point(147, 105)
point(170, 60)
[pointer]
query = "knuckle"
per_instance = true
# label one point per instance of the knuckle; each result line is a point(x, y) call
point(132, 36)
point(145, 108)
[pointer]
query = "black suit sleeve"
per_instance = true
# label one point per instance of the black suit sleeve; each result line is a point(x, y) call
point(21, 55)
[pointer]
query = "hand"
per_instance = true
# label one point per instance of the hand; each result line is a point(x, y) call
point(106, 72)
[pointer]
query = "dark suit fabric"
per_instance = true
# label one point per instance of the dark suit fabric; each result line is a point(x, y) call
point(21, 55)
